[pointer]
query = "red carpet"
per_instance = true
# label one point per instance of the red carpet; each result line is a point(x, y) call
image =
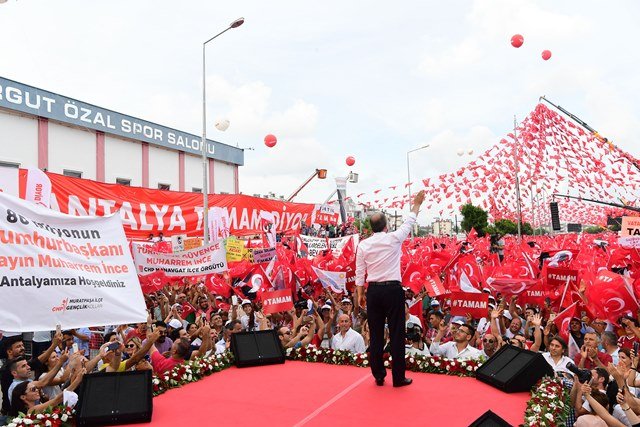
point(317, 394)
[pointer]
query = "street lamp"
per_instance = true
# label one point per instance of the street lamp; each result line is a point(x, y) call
point(203, 148)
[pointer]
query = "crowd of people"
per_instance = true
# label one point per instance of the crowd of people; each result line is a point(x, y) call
point(186, 320)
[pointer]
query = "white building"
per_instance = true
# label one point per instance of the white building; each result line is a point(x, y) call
point(70, 137)
point(441, 227)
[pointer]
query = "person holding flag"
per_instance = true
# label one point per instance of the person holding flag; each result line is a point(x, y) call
point(379, 258)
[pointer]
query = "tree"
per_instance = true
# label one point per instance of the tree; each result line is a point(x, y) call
point(594, 229)
point(366, 225)
point(474, 217)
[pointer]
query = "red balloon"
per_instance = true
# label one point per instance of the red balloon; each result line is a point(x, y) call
point(270, 141)
point(546, 54)
point(351, 161)
point(517, 40)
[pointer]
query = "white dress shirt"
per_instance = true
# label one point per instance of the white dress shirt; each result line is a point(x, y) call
point(561, 366)
point(351, 341)
point(379, 255)
point(450, 351)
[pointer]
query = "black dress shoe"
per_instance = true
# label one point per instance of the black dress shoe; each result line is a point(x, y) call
point(379, 381)
point(403, 383)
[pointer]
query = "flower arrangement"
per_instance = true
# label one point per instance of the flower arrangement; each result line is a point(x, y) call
point(191, 371)
point(549, 405)
point(59, 416)
point(415, 363)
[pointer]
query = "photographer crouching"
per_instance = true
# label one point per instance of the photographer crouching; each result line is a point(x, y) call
point(414, 343)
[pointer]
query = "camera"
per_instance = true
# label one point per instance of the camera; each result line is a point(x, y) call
point(584, 375)
point(301, 305)
point(414, 332)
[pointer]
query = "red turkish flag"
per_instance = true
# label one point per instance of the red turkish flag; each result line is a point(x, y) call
point(534, 295)
point(611, 296)
point(218, 285)
point(562, 321)
point(434, 286)
point(511, 286)
point(153, 282)
point(414, 277)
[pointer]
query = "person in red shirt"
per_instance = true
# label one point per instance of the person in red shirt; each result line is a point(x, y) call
point(180, 351)
point(589, 356)
point(630, 334)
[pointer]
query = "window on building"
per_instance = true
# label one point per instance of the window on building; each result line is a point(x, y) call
point(9, 164)
point(164, 186)
point(196, 190)
point(69, 172)
point(123, 181)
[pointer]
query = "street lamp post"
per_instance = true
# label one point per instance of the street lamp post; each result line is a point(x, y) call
point(409, 174)
point(203, 143)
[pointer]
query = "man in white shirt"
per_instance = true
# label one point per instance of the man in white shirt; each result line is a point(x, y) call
point(347, 338)
point(459, 348)
point(379, 258)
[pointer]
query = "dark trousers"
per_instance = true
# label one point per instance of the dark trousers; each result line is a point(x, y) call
point(385, 304)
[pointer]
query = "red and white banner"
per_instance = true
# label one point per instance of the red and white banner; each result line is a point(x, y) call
point(558, 277)
point(144, 211)
point(325, 214)
point(195, 262)
point(275, 301)
point(66, 270)
point(475, 304)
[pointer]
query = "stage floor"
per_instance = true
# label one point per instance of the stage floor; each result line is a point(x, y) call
point(317, 394)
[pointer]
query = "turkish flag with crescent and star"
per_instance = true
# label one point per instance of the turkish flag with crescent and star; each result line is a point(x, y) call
point(610, 296)
point(563, 319)
point(414, 277)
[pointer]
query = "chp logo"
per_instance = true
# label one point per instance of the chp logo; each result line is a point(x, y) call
point(61, 307)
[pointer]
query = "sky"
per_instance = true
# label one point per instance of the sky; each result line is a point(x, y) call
point(332, 79)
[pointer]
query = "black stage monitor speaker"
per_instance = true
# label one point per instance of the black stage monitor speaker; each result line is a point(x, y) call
point(490, 419)
point(257, 348)
point(115, 398)
point(513, 369)
point(555, 216)
point(574, 228)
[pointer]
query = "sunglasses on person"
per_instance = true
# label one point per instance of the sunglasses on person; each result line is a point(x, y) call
point(488, 341)
point(31, 389)
point(132, 345)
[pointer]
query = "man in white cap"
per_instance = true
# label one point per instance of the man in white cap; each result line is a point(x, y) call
point(379, 258)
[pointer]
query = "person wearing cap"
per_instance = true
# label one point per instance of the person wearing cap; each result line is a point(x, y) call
point(326, 334)
point(379, 258)
point(435, 305)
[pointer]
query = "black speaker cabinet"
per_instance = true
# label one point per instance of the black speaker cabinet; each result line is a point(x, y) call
point(513, 369)
point(115, 398)
point(490, 419)
point(257, 348)
point(555, 216)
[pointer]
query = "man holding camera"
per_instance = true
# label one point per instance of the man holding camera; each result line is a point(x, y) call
point(379, 257)
point(415, 344)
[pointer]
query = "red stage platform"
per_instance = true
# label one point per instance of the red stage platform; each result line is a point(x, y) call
point(317, 394)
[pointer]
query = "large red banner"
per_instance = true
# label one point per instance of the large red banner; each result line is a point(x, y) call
point(463, 303)
point(145, 211)
point(275, 301)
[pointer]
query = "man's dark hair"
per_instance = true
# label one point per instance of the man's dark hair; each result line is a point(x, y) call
point(603, 373)
point(471, 329)
point(67, 332)
point(609, 337)
point(160, 323)
point(13, 363)
point(183, 348)
point(378, 222)
point(437, 313)
point(108, 336)
point(232, 324)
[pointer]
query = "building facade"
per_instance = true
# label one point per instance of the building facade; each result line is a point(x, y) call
point(441, 227)
point(66, 136)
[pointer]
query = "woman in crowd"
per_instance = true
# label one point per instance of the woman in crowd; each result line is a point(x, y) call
point(26, 397)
